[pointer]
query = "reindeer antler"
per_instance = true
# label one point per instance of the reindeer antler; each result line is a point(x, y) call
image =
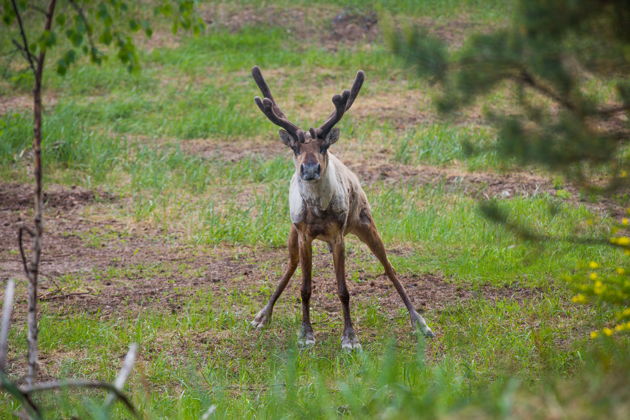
point(342, 103)
point(269, 107)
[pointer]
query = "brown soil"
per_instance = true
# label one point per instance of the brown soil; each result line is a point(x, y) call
point(331, 26)
point(22, 103)
point(20, 197)
point(326, 25)
point(453, 32)
point(476, 184)
point(233, 150)
point(378, 167)
point(350, 28)
point(427, 292)
point(295, 20)
point(148, 265)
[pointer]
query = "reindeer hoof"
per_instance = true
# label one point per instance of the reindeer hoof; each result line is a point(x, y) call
point(350, 342)
point(306, 342)
point(428, 333)
point(261, 319)
point(306, 337)
point(419, 325)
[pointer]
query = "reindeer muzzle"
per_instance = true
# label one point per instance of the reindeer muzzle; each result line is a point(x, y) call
point(310, 171)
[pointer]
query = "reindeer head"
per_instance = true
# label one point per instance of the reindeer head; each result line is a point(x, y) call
point(310, 147)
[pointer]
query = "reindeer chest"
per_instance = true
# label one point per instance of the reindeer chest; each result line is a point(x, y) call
point(316, 216)
point(322, 224)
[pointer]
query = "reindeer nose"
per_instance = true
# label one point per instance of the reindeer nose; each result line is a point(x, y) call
point(310, 171)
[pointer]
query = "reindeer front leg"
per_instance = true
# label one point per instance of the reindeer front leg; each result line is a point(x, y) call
point(349, 339)
point(306, 337)
point(263, 317)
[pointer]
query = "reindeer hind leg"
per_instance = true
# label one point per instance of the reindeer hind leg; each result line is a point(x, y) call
point(367, 233)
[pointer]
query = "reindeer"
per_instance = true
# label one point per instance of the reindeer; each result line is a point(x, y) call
point(326, 202)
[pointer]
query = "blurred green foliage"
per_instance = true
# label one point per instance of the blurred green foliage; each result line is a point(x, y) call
point(552, 54)
point(92, 28)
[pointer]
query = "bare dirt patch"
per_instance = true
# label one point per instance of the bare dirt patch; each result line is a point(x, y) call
point(62, 253)
point(161, 38)
point(428, 292)
point(400, 106)
point(476, 184)
point(233, 150)
point(296, 21)
point(325, 25)
point(21, 103)
point(377, 167)
point(107, 268)
point(20, 197)
point(331, 26)
point(350, 28)
point(454, 31)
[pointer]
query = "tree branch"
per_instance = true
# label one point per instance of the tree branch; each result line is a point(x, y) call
point(27, 404)
point(81, 383)
point(38, 9)
point(29, 55)
point(21, 231)
point(527, 78)
point(7, 307)
point(81, 14)
point(119, 383)
point(612, 110)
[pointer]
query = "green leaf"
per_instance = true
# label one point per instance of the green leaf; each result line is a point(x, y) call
point(146, 26)
point(8, 15)
point(47, 40)
point(106, 37)
point(103, 14)
point(133, 25)
point(75, 37)
point(65, 61)
point(60, 19)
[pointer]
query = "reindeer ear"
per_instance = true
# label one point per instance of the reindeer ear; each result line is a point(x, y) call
point(331, 138)
point(288, 139)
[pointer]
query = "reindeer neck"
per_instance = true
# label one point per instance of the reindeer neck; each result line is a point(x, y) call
point(319, 193)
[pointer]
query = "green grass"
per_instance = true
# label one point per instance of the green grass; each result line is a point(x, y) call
point(131, 134)
point(439, 144)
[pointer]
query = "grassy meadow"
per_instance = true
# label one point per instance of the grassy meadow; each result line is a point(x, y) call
point(167, 217)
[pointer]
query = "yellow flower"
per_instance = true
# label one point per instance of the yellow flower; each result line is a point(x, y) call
point(623, 241)
point(626, 312)
point(623, 174)
point(620, 271)
point(593, 276)
point(599, 287)
point(607, 331)
point(579, 298)
point(593, 264)
point(625, 221)
point(620, 327)
point(594, 334)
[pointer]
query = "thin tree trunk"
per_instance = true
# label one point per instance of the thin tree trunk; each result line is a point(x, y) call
point(33, 269)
